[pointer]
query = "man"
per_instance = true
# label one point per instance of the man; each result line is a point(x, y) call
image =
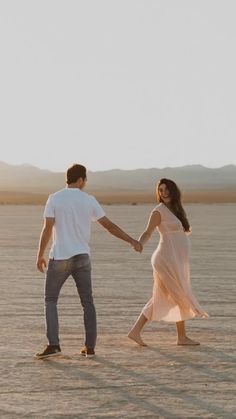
point(68, 214)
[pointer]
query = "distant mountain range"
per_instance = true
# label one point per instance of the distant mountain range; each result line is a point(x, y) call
point(27, 178)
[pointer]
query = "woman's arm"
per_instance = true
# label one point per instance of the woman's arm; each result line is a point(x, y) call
point(153, 222)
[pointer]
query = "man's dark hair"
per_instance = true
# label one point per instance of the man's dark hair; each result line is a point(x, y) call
point(75, 172)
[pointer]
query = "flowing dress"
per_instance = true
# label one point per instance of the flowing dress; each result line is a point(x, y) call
point(172, 299)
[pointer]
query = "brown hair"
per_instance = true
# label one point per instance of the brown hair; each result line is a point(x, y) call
point(176, 204)
point(75, 172)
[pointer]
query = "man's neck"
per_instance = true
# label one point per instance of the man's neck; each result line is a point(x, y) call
point(73, 186)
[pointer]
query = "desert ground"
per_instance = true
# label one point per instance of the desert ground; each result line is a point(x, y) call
point(111, 197)
point(122, 380)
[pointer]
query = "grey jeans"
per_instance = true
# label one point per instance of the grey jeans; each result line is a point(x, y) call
point(57, 273)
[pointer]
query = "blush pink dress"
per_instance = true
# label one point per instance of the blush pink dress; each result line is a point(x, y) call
point(172, 299)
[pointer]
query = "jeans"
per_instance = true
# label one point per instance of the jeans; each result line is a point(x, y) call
point(57, 273)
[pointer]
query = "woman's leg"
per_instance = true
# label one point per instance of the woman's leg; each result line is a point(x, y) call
point(135, 331)
point(182, 339)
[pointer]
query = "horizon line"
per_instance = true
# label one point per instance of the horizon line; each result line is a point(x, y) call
point(118, 169)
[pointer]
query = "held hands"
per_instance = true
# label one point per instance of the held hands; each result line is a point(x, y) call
point(41, 264)
point(137, 246)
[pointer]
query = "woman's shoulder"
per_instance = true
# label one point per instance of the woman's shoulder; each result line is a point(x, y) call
point(158, 208)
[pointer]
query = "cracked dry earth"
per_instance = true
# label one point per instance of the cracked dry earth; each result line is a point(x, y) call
point(122, 380)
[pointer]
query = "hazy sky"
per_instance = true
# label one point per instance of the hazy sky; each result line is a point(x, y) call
point(118, 83)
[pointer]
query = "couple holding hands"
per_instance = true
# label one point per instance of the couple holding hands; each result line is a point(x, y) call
point(67, 218)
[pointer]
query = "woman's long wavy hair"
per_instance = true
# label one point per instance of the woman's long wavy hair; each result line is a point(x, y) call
point(176, 204)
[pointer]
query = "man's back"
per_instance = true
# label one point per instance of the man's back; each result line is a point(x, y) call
point(73, 211)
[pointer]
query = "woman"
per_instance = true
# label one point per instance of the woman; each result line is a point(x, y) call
point(172, 299)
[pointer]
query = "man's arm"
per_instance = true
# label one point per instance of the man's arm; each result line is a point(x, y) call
point(45, 236)
point(119, 233)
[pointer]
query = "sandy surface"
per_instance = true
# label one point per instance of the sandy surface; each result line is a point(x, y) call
point(110, 197)
point(123, 380)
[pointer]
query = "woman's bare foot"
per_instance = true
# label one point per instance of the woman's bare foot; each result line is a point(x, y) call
point(136, 338)
point(187, 341)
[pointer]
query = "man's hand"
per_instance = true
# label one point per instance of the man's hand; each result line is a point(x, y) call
point(41, 264)
point(137, 246)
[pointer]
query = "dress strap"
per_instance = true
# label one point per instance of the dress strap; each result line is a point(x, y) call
point(158, 208)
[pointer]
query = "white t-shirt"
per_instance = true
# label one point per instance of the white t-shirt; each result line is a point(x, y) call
point(73, 211)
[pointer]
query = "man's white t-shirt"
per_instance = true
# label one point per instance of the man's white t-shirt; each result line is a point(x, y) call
point(73, 211)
